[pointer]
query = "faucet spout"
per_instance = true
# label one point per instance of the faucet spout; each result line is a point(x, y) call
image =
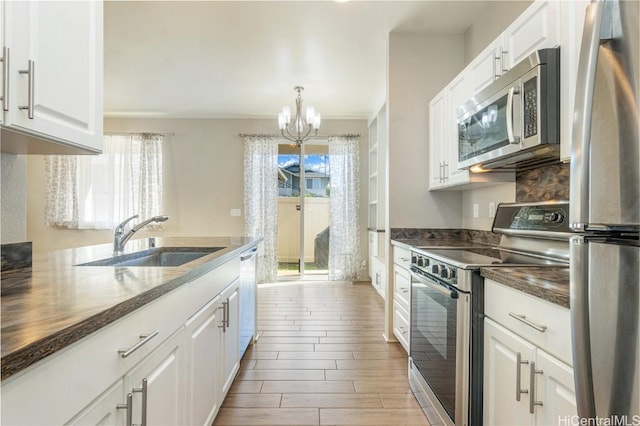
point(120, 238)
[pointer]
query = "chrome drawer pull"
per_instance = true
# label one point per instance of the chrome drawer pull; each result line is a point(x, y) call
point(532, 381)
point(31, 73)
point(519, 362)
point(127, 407)
point(523, 319)
point(143, 390)
point(145, 338)
point(5, 78)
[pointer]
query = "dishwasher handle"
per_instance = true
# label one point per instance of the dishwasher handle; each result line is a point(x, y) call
point(248, 254)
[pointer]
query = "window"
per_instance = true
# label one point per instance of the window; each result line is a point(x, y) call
point(309, 183)
point(98, 192)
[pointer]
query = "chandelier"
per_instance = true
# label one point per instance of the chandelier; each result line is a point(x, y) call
point(300, 128)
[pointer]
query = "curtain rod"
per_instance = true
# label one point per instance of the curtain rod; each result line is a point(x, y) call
point(273, 135)
point(138, 133)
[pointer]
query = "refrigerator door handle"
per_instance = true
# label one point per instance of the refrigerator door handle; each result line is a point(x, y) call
point(585, 85)
point(580, 328)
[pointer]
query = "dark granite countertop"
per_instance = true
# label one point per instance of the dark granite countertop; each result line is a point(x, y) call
point(54, 303)
point(551, 284)
point(438, 243)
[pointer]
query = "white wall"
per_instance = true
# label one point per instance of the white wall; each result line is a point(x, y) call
point(13, 203)
point(419, 67)
point(203, 177)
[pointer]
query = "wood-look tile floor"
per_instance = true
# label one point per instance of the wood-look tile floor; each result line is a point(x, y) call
point(321, 360)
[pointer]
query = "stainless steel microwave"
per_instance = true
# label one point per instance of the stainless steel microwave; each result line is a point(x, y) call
point(514, 123)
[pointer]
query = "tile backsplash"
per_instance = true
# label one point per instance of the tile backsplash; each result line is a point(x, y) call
point(543, 184)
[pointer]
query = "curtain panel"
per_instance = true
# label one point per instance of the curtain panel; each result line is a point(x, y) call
point(344, 238)
point(99, 191)
point(261, 201)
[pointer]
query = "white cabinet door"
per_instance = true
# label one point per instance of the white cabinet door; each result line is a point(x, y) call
point(437, 114)
point(502, 351)
point(456, 96)
point(56, 70)
point(104, 410)
point(203, 358)
point(483, 69)
point(230, 336)
point(536, 28)
point(554, 388)
point(162, 374)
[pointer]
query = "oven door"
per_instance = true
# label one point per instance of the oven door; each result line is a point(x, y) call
point(439, 347)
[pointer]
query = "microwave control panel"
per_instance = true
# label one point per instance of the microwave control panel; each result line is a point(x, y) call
point(530, 107)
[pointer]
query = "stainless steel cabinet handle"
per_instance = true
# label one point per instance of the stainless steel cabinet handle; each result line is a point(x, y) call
point(31, 73)
point(127, 407)
point(532, 386)
point(445, 168)
point(514, 90)
point(227, 313)
point(225, 307)
point(495, 68)
point(523, 319)
point(502, 61)
point(5, 78)
point(145, 338)
point(519, 362)
point(248, 254)
point(143, 389)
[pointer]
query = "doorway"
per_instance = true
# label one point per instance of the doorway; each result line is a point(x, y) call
point(303, 211)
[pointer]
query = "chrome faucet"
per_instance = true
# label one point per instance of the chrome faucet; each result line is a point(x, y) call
point(120, 238)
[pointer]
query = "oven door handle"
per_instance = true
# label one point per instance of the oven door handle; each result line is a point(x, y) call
point(434, 285)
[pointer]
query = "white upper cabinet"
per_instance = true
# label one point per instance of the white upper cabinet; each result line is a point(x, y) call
point(484, 68)
point(55, 76)
point(535, 29)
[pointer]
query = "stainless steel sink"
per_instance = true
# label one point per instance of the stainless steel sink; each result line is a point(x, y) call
point(157, 257)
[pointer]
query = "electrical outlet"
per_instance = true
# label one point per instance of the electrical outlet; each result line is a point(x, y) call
point(492, 209)
point(476, 210)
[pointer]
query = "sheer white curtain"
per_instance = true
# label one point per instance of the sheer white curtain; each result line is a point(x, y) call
point(99, 191)
point(261, 201)
point(344, 238)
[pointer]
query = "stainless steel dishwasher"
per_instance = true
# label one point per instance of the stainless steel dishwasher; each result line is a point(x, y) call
point(248, 302)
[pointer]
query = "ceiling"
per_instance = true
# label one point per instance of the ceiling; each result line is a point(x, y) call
point(241, 59)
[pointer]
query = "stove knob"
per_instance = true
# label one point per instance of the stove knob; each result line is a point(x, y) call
point(436, 269)
point(420, 261)
point(556, 217)
point(448, 273)
point(414, 259)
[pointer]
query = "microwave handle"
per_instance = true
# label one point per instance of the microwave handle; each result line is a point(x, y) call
point(513, 90)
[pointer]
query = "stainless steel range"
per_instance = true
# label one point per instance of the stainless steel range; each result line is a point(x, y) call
point(447, 301)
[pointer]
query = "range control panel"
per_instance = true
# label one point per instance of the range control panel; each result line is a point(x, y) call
point(549, 216)
point(428, 266)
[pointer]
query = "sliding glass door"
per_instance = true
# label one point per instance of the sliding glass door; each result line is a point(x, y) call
point(303, 210)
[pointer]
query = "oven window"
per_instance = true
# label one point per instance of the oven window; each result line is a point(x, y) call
point(433, 341)
point(484, 131)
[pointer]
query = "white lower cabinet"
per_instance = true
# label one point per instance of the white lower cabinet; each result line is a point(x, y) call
point(204, 337)
point(107, 409)
point(525, 381)
point(230, 355)
point(157, 385)
point(182, 357)
point(402, 295)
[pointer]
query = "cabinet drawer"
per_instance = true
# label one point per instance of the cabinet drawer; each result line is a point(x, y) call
point(542, 323)
point(402, 257)
point(402, 286)
point(401, 325)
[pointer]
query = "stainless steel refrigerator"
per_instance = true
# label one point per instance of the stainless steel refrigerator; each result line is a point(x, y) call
point(604, 213)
